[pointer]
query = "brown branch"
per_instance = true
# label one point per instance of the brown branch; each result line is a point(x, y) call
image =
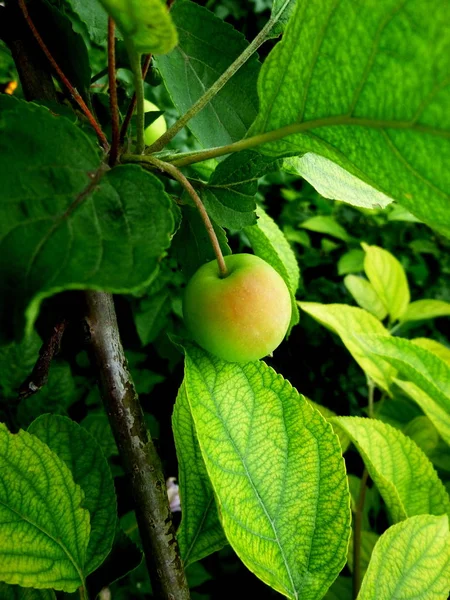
point(74, 93)
point(140, 459)
point(113, 94)
point(132, 105)
point(39, 375)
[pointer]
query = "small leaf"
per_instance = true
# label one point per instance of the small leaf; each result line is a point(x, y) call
point(146, 23)
point(426, 309)
point(151, 315)
point(410, 560)
point(94, 18)
point(98, 426)
point(351, 262)
point(208, 45)
point(347, 322)
point(17, 362)
point(83, 456)
point(200, 532)
point(277, 471)
point(365, 295)
point(388, 279)
point(327, 225)
point(443, 352)
point(44, 529)
point(15, 592)
point(401, 471)
point(428, 376)
point(268, 242)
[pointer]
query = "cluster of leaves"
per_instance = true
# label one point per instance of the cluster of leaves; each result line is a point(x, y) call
point(260, 466)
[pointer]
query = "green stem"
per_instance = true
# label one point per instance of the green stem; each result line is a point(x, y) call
point(218, 85)
point(178, 176)
point(135, 64)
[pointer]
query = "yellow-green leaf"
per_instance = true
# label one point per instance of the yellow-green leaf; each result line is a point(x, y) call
point(435, 347)
point(277, 471)
point(426, 309)
point(365, 295)
point(146, 23)
point(410, 561)
point(402, 472)
point(388, 278)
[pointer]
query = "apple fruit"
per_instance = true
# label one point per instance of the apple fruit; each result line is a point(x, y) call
point(156, 129)
point(241, 317)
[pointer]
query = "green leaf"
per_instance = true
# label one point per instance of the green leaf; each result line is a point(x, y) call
point(200, 532)
point(94, 18)
point(401, 471)
point(229, 196)
point(388, 279)
point(327, 413)
point(207, 47)
point(98, 426)
point(269, 243)
point(330, 83)
point(44, 529)
point(443, 352)
point(150, 318)
point(83, 456)
point(15, 592)
point(428, 377)
point(347, 322)
point(410, 560)
point(191, 243)
point(17, 362)
point(64, 225)
point(426, 309)
point(365, 295)
point(334, 182)
point(277, 471)
point(340, 590)
point(351, 262)
point(427, 437)
point(327, 225)
point(146, 23)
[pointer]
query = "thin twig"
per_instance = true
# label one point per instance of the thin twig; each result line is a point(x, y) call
point(39, 375)
point(139, 457)
point(218, 85)
point(113, 93)
point(357, 534)
point(74, 93)
point(178, 175)
point(132, 105)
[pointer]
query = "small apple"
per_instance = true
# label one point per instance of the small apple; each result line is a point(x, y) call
point(156, 129)
point(241, 317)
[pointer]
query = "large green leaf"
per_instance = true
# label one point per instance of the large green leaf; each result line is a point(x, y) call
point(348, 322)
point(146, 23)
point(207, 46)
point(94, 18)
point(435, 347)
point(44, 529)
point(200, 532)
point(426, 309)
point(269, 243)
point(364, 86)
point(402, 472)
point(84, 457)
point(15, 592)
point(64, 225)
point(98, 426)
point(428, 377)
point(277, 471)
point(410, 560)
point(388, 279)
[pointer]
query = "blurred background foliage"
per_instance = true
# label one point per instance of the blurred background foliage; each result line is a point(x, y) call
point(326, 237)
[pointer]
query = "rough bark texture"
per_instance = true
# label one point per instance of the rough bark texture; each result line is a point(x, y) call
point(139, 457)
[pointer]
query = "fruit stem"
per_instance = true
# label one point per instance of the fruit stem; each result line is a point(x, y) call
point(178, 175)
